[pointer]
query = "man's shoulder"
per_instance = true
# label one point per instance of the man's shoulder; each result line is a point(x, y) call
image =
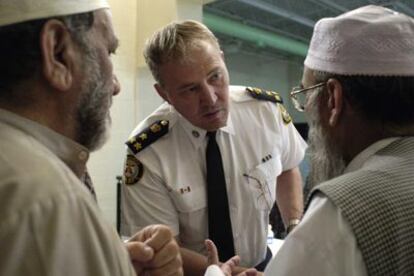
point(355, 183)
point(152, 128)
point(258, 98)
point(148, 135)
point(248, 93)
point(31, 176)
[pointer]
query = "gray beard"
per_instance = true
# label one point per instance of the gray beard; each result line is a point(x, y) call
point(93, 110)
point(326, 161)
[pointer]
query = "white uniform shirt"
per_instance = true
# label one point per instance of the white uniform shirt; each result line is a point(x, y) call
point(256, 146)
point(49, 222)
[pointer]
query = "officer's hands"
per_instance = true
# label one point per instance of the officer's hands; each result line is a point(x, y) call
point(154, 251)
point(228, 268)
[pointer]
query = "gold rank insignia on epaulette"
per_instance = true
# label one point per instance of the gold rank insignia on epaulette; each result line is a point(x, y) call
point(148, 136)
point(264, 95)
point(272, 96)
point(285, 115)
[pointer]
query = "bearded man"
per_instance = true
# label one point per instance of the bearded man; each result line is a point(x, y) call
point(56, 87)
point(358, 84)
point(358, 92)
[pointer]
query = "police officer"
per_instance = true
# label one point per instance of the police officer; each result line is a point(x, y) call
point(168, 172)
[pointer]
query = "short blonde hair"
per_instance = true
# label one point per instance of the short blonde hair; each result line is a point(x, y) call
point(172, 43)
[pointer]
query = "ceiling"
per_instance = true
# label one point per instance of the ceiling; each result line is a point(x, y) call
point(255, 23)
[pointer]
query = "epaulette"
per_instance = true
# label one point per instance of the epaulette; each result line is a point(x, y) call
point(148, 136)
point(264, 95)
point(272, 96)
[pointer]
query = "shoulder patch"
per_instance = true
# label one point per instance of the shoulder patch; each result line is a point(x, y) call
point(264, 95)
point(133, 170)
point(148, 136)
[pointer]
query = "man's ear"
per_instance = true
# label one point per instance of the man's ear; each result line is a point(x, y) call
point(161, 92)
point(335, 101)
point(58, 54)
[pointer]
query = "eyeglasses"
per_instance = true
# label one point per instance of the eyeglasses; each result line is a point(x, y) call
point(298, 95)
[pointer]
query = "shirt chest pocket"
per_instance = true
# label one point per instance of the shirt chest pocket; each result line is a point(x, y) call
point(189, 199)
point(261, 181)
point(191, 206)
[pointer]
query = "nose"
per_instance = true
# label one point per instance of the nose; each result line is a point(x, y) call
point(117, 85)
point(209, 96)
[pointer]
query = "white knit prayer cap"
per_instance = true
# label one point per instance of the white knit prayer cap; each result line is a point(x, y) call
point(17, 11)
point(370, 40)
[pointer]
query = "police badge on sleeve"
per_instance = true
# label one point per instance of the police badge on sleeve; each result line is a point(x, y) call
point(133, 170)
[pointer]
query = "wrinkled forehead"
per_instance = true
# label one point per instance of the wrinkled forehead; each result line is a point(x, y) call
point(104, 26)
point(103, 21)
point(194, 50)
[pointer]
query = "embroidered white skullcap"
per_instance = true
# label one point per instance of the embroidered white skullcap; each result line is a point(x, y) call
point(370, 40)
point(17, 11)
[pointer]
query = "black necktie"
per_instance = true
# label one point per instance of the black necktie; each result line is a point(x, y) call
point(219, 223)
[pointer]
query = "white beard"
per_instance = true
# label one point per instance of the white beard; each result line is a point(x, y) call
point(326, 161)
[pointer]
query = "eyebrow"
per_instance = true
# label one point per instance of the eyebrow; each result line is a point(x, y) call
point(186, 85)
point(214, 70)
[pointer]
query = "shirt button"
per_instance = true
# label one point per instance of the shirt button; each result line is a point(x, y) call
point(83, 155)
point(196, 134)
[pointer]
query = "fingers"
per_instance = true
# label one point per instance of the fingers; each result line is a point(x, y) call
point(212, 254)
point(155, 236)
point(166, 254)
point(212, 258)
point(229, 266)
point(139, 252)
point(173, 267)
point(139, 270)
point(250, 272)
point(166, 258)
point(167, 261)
